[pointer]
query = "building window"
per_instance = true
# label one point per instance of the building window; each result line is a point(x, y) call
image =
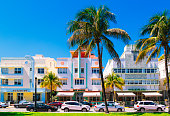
point(4, 81)
point(82, 70)
point(95, 70)
point(117, 70)
point(40, 70)
point(96, 82)
point(39, 81)
point(10, 96)
point(79, 81)
point(17, 71)
point(17, 81)
point(4, 70)
point(64, 81)
point(38, 97)
point(62, 70)
point(76, 70)
point(19, 96)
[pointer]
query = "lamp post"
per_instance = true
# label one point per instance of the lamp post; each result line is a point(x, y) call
point(35, 96)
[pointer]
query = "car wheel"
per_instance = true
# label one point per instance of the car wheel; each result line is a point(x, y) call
point(58, 107)
point(119, 110)
point(17, 106)
point(66, 110)
point(84, 110)
point(142, 110)
point(159, 109)
point(31, 110)
point(49, 110)
point(101, 110)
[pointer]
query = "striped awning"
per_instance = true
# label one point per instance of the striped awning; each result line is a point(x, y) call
point(91, 94)
point(65, 94)
point(126, 94)
point(152, 94)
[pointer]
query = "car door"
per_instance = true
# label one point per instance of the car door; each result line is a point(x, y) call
point(77, 106)
point(110, 107)
point(153, 106)
point(147, 105)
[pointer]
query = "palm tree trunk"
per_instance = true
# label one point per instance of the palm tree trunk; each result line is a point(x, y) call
point(101, 74)
point(51, 91)
point(167, 78)
point(113, 94)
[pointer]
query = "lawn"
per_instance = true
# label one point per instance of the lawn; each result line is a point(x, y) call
point(80, 114)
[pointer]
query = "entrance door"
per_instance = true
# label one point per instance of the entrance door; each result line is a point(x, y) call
point(79, 97)
point(19, 96)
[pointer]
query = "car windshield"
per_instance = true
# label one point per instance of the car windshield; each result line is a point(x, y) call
point(81, 104)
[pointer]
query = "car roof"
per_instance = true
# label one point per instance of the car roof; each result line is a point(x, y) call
point(71, 101)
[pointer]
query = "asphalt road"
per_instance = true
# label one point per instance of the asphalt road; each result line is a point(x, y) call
point(12, 109)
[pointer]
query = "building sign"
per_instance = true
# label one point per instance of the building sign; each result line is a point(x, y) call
point(20, 91)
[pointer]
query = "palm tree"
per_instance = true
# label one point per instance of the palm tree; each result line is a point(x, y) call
point(91, 29)
point(51, 82)
point(159, 39)
point(113, 80)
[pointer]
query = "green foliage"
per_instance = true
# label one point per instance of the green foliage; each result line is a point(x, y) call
point(91, 26)
point(114, 80)
point(49, 79)
point(158, 29)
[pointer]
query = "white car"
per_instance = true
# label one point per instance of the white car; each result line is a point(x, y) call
point(111, 107)
point(74, 105)
point(148, 105)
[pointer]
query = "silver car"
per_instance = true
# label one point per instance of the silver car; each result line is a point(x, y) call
point(111, 107)
point(148, 105)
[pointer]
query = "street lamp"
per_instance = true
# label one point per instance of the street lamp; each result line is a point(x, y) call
point(35, 96)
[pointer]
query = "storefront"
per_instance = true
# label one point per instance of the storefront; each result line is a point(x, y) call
point(14, 95)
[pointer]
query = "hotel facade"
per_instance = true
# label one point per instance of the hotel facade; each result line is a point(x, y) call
point(141, 79)
point(79, 75)
point(18, 74)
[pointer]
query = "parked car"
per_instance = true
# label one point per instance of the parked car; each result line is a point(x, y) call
point(57, 104)
point(41, 107)
point(148, 105)
point(74, 105)
point(3, 105)
point(22, 104)
point(87, 103)
point(111, 107)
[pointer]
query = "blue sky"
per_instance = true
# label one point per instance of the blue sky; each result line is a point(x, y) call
point(29, 27)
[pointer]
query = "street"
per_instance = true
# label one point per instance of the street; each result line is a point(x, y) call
point(12, 109)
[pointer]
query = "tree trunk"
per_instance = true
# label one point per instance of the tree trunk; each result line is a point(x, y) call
point(101, 74)
point(51, 92)
point(167, 78)
point(113, 94)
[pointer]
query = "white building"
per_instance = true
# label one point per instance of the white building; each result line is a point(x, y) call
point(140, 78)
point(161, 65)
point(18, 74)
point(80, 77)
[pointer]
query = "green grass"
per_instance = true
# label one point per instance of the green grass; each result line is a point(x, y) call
point(80, 114)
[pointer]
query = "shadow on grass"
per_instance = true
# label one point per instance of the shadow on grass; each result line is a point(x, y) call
point(15, 113)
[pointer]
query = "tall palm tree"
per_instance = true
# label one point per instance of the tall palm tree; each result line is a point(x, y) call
point(159, 39)
point(51, 82)
point(113, 80)
point(91, 29)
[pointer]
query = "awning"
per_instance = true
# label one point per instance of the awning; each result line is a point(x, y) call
point(69, 94)
point(152, 94)
point(126, 94)
point(91, 94)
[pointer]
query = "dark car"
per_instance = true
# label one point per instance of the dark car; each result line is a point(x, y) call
point(87, 103)
point(57, 104)
point(41, 107)
point(22, 104)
